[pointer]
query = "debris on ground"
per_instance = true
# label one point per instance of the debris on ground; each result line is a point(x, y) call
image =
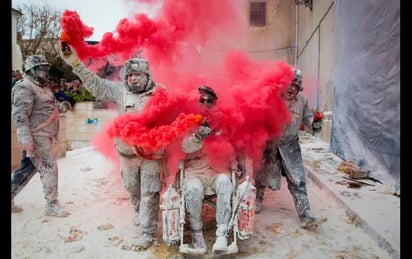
point(86, 168)
point(116, 240)
point(74, 235)
point(276, 228)
point(105, 227)
point(351, 169)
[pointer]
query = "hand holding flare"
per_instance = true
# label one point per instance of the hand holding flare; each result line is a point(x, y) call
point(132, 130)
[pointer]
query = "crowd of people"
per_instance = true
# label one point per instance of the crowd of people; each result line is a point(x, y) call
point(16, 75)
point(64, 91)
point(141, 172)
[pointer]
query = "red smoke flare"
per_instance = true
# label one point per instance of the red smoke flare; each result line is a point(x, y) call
point(249, 110)
point(128, 128)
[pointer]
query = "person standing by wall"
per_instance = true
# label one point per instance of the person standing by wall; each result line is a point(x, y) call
point(284, 157)
point(35, 114)
point(140, 172)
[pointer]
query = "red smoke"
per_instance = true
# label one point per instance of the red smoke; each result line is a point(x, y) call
point(249, 110)
point(179, 24)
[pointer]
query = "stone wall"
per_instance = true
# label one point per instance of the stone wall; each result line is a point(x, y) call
point(77, 129)
point(85, 121)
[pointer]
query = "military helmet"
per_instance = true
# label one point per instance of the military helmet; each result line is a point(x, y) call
point(203, 89)
point(298, 78)
point(207, 96)
point(136, 65)
point(35, 61)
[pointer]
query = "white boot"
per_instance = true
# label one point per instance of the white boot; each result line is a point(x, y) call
point(55, 209)
point(198, 242)
point(312, 221)
point(144, 241)
point(220, 245)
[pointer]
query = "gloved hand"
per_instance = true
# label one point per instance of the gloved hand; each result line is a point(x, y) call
point(318, 116)
point(70, 57)
point(29, 147)
point(203, 132)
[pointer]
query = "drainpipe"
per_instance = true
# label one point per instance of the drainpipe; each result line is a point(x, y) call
point(318, 89)
point(296, 33)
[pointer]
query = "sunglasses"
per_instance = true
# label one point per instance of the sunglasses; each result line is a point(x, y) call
point(206, 100)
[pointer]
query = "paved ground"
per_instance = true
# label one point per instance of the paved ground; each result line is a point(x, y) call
point(373, 208)
point(362, 223)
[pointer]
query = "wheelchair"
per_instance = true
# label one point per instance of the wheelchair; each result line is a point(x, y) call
point(241, 223)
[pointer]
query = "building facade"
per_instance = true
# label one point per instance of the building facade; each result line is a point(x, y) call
point(17, 57)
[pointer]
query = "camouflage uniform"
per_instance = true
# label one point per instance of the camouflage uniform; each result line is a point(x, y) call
point(33, 104)
point(284, 157)
point(141, 176)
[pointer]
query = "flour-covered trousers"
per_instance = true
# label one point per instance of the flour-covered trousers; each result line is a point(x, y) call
point(45, 163)
point(141, 178)
point(290, 160)
point(130, 171)
point(194, 190)
point(280, 159)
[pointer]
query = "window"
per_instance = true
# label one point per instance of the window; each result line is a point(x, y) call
point(307, 3)
point(258, 14)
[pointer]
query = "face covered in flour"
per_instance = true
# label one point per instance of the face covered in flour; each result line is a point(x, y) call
point(207, 96)
point(137, 74)
point(295, 86)
point(38, 68)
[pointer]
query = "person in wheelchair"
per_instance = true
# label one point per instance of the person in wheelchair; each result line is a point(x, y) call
point(201, 179)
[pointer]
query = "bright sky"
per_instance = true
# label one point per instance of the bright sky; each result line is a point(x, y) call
point(102, 15)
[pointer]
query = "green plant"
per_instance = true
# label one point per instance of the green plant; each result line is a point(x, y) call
point(84, 96)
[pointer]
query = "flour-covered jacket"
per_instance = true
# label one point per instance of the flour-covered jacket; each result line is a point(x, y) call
point(35, 115)
point(288, 147)
point(32, 106)
point(196, 161)
point(117, 92)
